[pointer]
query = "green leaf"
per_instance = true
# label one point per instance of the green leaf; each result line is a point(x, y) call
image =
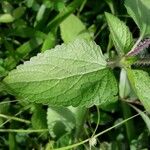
point(41, 12)
point(140, 82)
point(121, 36)
point(70, 74)
point(65, 119)
point(6, 18)
point(53, 24)
point(64, 14)
point(139, 10)
point(6, 7)
point(18, 12)
point(124, 87)
point(72, 27)
point(59, 5)
point(30, 3)
point(50, 40)
point(39, 118)
point(60, 120)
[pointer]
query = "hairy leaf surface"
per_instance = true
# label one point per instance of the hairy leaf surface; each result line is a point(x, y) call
point(70, 74)
point(120, 33)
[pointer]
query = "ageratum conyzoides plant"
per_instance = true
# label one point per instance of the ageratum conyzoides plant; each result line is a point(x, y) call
point(78, 73)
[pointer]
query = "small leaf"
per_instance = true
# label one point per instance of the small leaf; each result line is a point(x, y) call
point(59, 5)
point(7, 7)
point(30, 3)
point(18, 12)
point(70, 74)
point(124, 87)
point(39, 118)
point(139, 10)
point(41, 12)
point(72, 27)
point(6, 18)
point(121, 36)
point(140, 82)
point(60, 120)
point(50, 40)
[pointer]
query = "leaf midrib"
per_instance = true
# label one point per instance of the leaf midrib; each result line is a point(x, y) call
point(62, 78)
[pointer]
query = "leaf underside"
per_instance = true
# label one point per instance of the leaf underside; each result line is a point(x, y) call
point(70, 74)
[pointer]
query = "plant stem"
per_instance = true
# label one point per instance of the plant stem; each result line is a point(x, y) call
point(80, 115)
point(135, 45)
point(81, 7)
point(23, 130)
point(97, 135)
point(126, 110)
point(12, 139)
point(14, 118)
point(124, 91)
